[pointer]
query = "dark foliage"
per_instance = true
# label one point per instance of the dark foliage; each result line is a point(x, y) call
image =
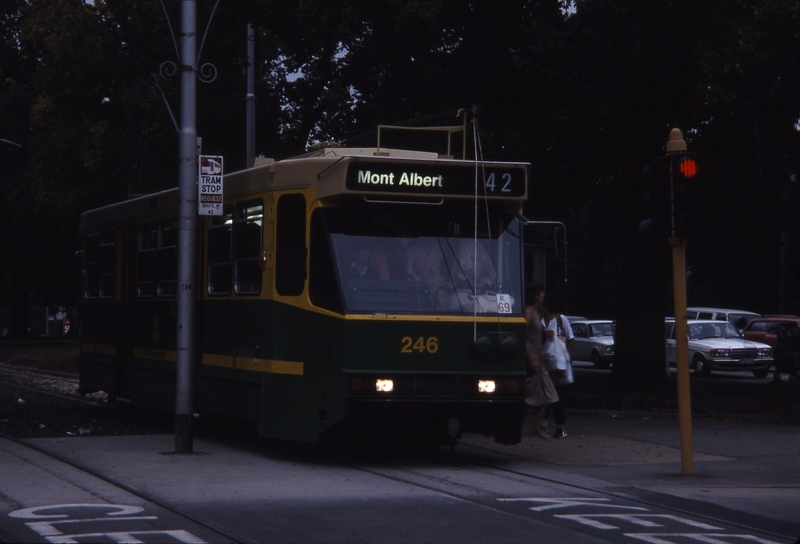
point(586, 96)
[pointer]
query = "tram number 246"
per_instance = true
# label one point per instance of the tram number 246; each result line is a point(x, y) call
point(421, 344)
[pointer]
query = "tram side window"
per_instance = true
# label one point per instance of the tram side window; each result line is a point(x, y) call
point(167, 259)
point(100, 265)
point(247, 247)
point(156, 261)
point(146, 260)
point(290, 247)
point(220, 252)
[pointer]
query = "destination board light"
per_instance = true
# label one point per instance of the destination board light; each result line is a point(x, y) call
point(496, 180)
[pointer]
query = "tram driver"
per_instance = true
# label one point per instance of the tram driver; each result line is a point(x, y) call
point(473, 268)
point(424, 264)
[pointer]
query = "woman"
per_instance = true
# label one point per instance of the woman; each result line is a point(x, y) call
point(558, 329)
point(540, 392)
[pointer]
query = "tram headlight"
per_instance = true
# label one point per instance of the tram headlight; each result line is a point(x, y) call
point(384, 386)
point(486, 386)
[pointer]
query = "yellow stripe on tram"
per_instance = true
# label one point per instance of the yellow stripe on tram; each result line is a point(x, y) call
point(102, 349)
point(160, 354)
point(257, 365)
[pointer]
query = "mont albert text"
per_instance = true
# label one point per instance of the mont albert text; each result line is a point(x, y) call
point(411, 179)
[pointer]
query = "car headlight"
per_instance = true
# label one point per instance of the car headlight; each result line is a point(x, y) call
point(720, 352)
point(609, 350)
point(765, 352)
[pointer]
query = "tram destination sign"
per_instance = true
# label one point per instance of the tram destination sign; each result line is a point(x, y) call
point(209, 185)
point(435, 179)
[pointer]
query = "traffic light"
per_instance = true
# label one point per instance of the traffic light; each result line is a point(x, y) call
point(687, 196)
point(656, 201)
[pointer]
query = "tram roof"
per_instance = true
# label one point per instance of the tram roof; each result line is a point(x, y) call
point(326, 170)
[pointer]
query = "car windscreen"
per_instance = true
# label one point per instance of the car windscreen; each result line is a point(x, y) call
point(396, 260)
point(702, 331)
point(600, 329)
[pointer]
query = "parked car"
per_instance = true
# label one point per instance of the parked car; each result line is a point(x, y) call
point(783, 334)
point(738, 318)
point(574, 318)
point(765, 329)
point(594, 341)
point(717, 345)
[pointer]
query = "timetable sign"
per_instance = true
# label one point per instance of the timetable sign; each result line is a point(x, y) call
point(209, 185)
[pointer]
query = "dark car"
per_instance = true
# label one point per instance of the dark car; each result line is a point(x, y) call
point(783, 334)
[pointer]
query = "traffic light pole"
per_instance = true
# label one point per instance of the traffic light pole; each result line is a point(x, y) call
point(676, 144)
point(682, 347)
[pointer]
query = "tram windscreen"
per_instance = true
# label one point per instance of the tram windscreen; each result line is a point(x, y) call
point(431, 262)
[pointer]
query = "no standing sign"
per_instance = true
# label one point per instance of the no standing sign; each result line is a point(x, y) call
point(209, 185)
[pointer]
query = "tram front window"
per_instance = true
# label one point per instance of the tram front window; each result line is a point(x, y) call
point(419, 270)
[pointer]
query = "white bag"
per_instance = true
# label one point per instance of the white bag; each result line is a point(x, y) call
point(556, 359)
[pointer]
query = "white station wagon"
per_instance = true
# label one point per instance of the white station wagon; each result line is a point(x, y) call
point(594, 341)
point(717, 345)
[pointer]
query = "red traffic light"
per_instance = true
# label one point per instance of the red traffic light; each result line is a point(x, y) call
point(688, 167)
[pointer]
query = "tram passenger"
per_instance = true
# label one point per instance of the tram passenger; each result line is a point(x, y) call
point(424, 264)
point(473, 265)
point(380, 261)
point(360, 267)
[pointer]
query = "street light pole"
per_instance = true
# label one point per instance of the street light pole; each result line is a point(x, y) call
point(187, 232)
point(250, 99)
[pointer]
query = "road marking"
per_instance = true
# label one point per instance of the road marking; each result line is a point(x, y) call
point(706, 538)
point(47, 517)
point(552, 503)
point(600, 521)
point(635, 519)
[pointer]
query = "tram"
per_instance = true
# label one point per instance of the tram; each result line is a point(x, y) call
point(345, 290)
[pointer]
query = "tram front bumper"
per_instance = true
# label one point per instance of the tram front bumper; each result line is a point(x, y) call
point(499, 418)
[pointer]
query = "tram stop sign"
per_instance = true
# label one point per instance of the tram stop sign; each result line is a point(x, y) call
point(209, 185)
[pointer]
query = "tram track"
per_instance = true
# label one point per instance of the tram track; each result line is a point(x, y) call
point(477, 463)
point(627, 497)
point(62, 388)
point(62, 383)
point(181, 513)
point(455, 476)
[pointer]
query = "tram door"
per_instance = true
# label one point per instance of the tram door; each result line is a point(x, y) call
point(542, 242)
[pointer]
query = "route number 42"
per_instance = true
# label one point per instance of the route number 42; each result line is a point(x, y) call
point(504, 184)
point(421, 344)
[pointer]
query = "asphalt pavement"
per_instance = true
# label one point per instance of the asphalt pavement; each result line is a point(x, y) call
point(745, 470)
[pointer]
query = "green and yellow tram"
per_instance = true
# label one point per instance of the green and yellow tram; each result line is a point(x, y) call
point(343, 290)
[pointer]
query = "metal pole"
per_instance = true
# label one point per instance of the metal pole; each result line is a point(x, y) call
point(187, 233)
point(676, 144)
point(682, 362)
point(250, 100)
